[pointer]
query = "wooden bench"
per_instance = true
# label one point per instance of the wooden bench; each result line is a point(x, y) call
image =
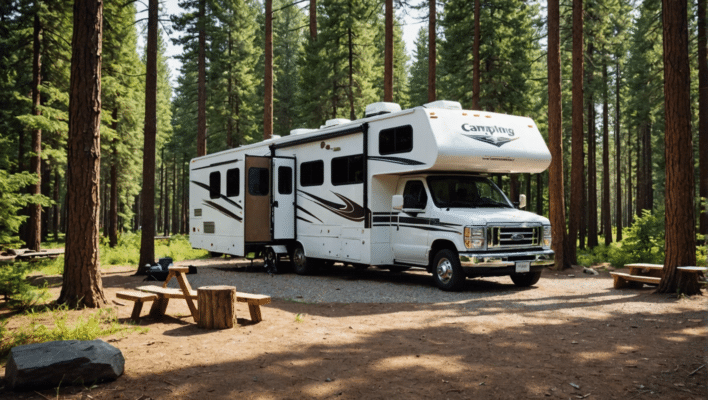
point(255, 301)
point(622, 280)
point(38, 254)
point(139, 298)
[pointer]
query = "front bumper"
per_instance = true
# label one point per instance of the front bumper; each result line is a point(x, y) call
point(500, 264)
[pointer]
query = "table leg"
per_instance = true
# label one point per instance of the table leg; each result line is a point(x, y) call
point(159, 307)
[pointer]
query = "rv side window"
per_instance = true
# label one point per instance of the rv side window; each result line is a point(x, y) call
point(348, 170)
point(414, 195)
point(285, 180)
point(258, 181)
point(215, 185)
point(396, 140)
point(233, 181)
point(312, 173)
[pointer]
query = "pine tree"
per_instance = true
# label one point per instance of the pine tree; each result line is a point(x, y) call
point(419, 70)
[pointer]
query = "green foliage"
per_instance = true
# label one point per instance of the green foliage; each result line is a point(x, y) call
point(12, 200)
point(127, 252)
point(15, 288)
point(644, 240)
point(101, 323)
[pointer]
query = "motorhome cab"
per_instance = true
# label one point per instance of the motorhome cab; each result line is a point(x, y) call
point(396, 189)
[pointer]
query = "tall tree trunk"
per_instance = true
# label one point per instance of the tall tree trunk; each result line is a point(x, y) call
point(175, 225)
point(592, 165)
point(577, 139)
point(55, 212)
point(161, 190)
point(230, 98)
point(618, 159)
point(201, 82)
point(313, 19)
point(514, 188)
point(46, 191)
point(555, 138)
point(539, 193)
point(475, 57)
point(185, 200)
point(432, 58)
point(350, 90)
point(583, 228)
point(147, 212)
point(82, 285)
point(680, 222)
point(645, 195)
point(388, 53)
point(113, 226)
point(703, 114)
point(606, 217)
point(34, 232)
point(166, 218)
point(630, 189)
point(528, 191)
point(268, 80)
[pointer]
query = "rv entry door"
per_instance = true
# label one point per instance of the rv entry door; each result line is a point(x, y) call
point(283, 198)
point(257, 209)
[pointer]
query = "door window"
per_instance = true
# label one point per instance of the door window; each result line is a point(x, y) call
point(285, 180)
point(258, 182)
point(414, 195)
point(233, 181)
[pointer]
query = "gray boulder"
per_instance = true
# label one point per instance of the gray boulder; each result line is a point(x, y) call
point(69, 362)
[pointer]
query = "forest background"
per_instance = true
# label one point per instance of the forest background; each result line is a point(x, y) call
point(334, 72)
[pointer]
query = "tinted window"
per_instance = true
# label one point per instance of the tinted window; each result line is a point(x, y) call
point(233, 182)
point(312, 173)
point(215, 185)
point(258, 181)
point(348, 170)
point(396, 140)
point(414, 195)
point(285, 180)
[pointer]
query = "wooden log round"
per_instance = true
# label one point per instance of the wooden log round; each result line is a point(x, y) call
point(216, 307)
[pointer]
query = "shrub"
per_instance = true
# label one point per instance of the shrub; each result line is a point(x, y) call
point(15, 289)
point(644, 240)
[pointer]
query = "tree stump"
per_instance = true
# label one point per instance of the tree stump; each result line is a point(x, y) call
point(216, 307)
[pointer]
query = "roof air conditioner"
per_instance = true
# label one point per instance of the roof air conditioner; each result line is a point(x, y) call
point(374, 109)
point(444, 104)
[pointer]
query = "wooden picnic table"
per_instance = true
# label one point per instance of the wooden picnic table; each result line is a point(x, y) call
point(651, 274)
point(161, 295)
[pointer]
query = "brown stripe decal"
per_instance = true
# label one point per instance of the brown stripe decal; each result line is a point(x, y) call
point(349, 210)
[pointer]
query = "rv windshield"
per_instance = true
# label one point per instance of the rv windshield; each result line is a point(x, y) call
point(466, 191)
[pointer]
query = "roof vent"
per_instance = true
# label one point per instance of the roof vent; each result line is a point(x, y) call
point(335, 122)
point(444, 104)
point(300, 131)
point(374, 109)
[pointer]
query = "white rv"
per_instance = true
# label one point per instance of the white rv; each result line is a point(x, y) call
point(396, 189)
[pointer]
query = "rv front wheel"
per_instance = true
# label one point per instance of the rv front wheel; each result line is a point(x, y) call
point(301, 264)
point(447, 271)
point(527, 279)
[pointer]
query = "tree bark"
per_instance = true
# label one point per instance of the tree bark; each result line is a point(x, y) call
point(475, 56)
point(216, 307)
point(606, 217)
point(166, 199)
point(592, 165)
point(703, 115)
point(82, 285)
point(555, 138)
point(113, 226)
point(175, 224)
point(539, 193)
point(576, 179)
point(350, 89)
point(680, 222)
point(313, 19)
point(432, 58)
point(201, 82)
point(34, 232)
point(230, 98)
point(147, 212)
point(161, 191)
point(618, 159)
point(268, 80)
point(55, 212)
point(388, 53)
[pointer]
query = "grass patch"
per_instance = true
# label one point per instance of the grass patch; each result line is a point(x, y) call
point(103, 322)
point(127, 252)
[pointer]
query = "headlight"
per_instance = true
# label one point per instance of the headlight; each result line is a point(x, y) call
point(547, 237)
point(474, 237)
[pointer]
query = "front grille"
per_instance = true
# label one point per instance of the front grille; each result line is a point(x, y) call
point(500, 237)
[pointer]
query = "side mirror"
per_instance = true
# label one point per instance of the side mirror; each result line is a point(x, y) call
point(397, 202)
point(522, 201)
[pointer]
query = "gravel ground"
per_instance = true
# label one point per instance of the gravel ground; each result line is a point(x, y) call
point(341, 284)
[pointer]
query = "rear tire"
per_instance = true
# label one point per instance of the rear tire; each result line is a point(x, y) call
point(447, 271)
point(301, 264)
point(526, 279)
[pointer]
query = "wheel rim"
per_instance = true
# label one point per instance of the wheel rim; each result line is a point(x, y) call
point(444, 271)
point(299, 257)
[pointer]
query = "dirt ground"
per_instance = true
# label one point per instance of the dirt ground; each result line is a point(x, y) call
point(556, 344)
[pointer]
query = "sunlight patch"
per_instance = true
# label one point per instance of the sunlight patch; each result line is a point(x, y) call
point(431, 361)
